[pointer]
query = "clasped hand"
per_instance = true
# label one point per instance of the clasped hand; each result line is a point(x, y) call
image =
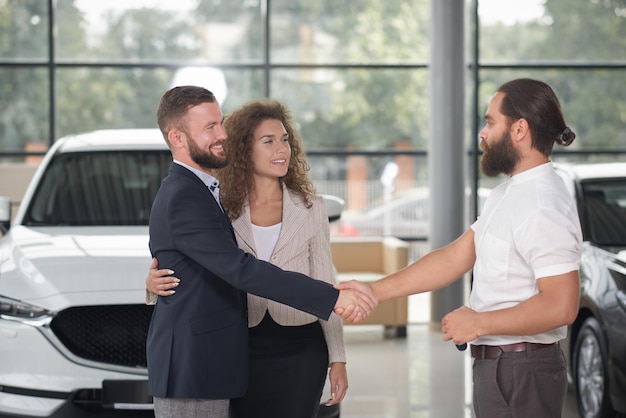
point(356, 301)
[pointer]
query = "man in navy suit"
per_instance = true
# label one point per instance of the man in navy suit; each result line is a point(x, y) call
point(198, 337)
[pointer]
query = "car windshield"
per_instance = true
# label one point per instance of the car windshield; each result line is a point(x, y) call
point(98, 188)
point(605, 205)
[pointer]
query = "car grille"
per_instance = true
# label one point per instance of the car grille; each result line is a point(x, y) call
point(114, 334)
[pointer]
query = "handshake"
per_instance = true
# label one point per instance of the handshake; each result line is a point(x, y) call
point(356, 301)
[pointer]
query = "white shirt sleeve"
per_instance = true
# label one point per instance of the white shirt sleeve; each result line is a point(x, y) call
point(550, 241)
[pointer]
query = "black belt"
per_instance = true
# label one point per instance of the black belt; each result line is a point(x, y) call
point(494, 351)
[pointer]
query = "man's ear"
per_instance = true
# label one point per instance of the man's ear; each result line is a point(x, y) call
point(520, 129)
point(174, 136)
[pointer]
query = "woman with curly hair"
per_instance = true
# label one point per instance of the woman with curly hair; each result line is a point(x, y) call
point(278, 217)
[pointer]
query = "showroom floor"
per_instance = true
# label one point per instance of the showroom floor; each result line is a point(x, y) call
point(419, 376)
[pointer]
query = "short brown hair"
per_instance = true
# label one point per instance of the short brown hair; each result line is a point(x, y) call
point(176, 102)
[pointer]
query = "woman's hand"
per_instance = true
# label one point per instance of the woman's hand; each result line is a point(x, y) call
point(338, 377)
point(161, 282)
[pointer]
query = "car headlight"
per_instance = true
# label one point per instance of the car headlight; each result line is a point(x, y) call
point(14, 310)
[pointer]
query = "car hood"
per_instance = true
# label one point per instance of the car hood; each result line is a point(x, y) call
point(57, 267)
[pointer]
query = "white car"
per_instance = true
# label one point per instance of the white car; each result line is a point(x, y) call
point(73, 320)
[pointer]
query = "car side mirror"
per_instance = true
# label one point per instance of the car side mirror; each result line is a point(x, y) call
point(334, 206)
point(5, 214)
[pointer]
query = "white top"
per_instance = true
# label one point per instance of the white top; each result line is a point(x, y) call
point(265, 238)
point(529, 229)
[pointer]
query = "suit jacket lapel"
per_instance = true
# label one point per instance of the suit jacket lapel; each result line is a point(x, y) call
point(243, 226)
point(294, 215)
point(180, 170)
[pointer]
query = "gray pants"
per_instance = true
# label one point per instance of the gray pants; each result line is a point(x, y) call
point(190, 408)
point(529, 384)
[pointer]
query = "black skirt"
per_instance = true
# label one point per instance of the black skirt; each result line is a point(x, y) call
point(288, 366)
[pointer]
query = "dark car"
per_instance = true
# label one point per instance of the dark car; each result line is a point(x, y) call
point(596, 344)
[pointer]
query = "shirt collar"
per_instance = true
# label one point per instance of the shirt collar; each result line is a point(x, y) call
point(532, 173)
point(206, 178)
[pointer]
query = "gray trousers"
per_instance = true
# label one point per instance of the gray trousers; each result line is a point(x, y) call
point(529, 384)
point(190, 408)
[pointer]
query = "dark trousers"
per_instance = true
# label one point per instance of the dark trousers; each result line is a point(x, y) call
point(531, 384)
point(288, 366)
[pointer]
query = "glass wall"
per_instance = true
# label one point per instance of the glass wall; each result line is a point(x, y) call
point(354, 73)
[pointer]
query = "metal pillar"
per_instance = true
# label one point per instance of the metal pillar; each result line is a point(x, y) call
point(446, 150)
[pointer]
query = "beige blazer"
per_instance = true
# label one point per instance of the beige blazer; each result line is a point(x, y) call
point(302, 246)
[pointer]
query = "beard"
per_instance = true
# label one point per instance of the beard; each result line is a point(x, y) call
point(500, 157)
point(203, 158)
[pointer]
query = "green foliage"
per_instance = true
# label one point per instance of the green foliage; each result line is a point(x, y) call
point(23, 98)
point(577, 31)
point(365, 107)
point(23, 29)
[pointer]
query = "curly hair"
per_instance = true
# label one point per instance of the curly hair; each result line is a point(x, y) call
point(236, 178)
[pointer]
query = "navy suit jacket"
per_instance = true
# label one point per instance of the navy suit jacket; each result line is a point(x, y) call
point(197, 343)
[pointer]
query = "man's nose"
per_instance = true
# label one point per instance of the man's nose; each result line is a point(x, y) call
point(222, 132)
point(482, 135)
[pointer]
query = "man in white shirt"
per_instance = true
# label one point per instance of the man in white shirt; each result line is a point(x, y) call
point(525, 253)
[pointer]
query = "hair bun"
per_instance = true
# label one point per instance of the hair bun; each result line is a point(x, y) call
point(566, 137)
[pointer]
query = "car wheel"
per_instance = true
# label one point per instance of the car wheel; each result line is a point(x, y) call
point(590, 369)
